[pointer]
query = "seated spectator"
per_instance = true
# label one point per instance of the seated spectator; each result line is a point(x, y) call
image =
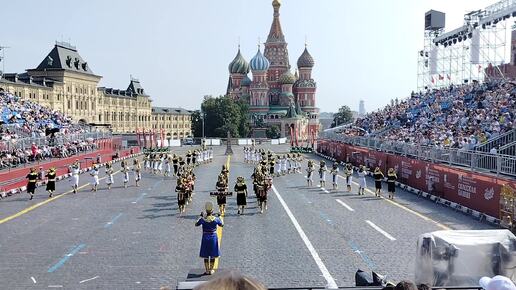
point(30, 132)
point(452, 117)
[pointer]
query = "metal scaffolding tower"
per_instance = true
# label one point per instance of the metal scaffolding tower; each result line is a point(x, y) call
point(469, 53)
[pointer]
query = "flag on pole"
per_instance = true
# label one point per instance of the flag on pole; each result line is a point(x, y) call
point(433, 81)
point(441, 77)
point(479, 68)
point(449, 78)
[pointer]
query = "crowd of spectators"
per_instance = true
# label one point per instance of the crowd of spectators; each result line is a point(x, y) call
point(22, 118)
point(21, 121)
point(453, 117)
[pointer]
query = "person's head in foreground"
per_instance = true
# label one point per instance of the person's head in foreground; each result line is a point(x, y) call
point(496, 283)
point(405, 285)
point(231, 281)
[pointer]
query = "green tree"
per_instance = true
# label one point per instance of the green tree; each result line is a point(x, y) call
point(197, 123)
point(273, 132)
point(343, 116)
point(223, 114)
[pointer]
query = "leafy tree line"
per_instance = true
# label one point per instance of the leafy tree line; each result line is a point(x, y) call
point(343, 116)
point(222, 114)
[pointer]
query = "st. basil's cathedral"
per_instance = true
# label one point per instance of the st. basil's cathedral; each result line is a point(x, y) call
point(276, 96)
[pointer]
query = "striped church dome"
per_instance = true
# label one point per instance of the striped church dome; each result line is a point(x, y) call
point(259, 62)
point(239, 64)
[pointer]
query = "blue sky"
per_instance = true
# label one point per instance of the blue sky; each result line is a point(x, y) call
point(180, 50)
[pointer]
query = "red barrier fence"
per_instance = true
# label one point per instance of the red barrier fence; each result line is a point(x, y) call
point(16, 177)
point(477, 191)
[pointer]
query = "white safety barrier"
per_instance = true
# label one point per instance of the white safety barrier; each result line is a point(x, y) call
point(245, 141)
point(213, 142)
point(174, 143)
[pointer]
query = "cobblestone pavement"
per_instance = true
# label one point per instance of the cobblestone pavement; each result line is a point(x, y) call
point(134, 238)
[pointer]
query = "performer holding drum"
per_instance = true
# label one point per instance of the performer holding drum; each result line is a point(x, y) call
point(222, 187)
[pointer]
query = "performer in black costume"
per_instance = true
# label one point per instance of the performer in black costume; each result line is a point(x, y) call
point(378, 178)
point(51, 181)
point(391, 182)
point(241, 194)
point(31, 184)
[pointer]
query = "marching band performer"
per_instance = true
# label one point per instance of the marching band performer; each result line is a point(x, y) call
point(241, 194)
point(362, 185)
point(309, 172)
point(348, 172)
point(181, 195)
point(146, 162)
point(181, 166)
point(206, 155)
point(137, 168)
point(322, 173)
point(188, 157)
point(299, 162)
point(334, 174)
point(209, 243)
point(378, 178)
point(75, 170)
point(391, 182)
point(262, 185)
point(210, 154)
point(109, 174)
point(195, 157)
point(190, 184)
point(175, 164)
point(290, 163)
point(161, 160)
point(31, 183)
point(284, 165)
point(125, 171)
point(222, 187)
point(246, 155)
point(167, 166)
point(95, 176)
point(51, 181)
point(272, 162)
point(155, 164)
point(123, 164)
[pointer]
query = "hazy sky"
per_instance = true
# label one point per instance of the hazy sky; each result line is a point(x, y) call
point(180, 50)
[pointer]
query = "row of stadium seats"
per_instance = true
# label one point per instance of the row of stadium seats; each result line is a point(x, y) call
point(29, 119)
point(22, 121)
point(453, 117)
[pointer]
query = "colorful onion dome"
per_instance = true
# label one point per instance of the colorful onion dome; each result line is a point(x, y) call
point(305, 60)
point(239, 65)
point(287, 78)
point(259, 62)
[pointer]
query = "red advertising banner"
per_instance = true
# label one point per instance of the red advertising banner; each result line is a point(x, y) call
point(477, 191)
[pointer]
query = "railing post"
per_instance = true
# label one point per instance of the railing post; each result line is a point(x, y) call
point(498, 165)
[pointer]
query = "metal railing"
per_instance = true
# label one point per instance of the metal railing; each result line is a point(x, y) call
point(498, 141)
point(475, 160)
point(509, 149)
point(57, 140)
